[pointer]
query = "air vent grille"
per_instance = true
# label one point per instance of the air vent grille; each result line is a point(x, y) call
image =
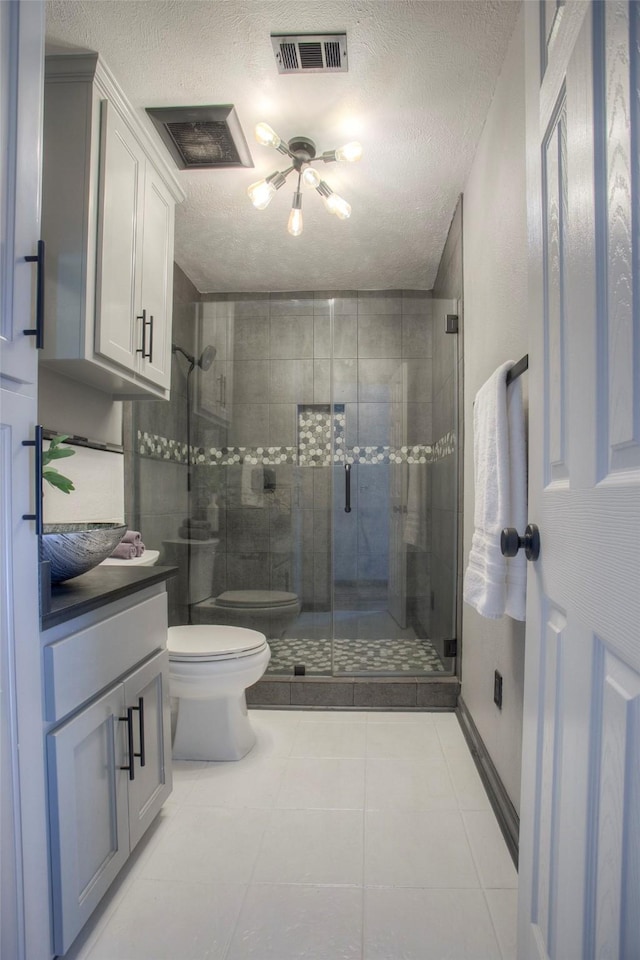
point(202, 137)
point(321, 53)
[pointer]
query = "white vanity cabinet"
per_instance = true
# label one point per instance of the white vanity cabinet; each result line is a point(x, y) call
point(108, 750)
point(109, 198)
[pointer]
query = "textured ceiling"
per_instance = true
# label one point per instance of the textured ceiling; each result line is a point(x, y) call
point(421, 77)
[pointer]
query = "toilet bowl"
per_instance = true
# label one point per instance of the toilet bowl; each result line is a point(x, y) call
point(270, 612)
point(210, 667)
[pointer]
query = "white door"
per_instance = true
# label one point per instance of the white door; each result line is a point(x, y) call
point(24, 887)
point(147, 691)
point(120, 332)
point(157, 278)
point(88, 810)
point(580, 819)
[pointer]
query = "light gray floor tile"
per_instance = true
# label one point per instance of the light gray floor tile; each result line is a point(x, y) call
point(166, 920)
point(503, 906)
point(330, 784)
point(415, 848)
point(428, 925)
point(489, 850)
point(288, 922)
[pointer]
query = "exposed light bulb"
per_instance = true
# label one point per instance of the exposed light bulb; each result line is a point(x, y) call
point(261, 194)
point(350, 152)
point(266, 136)
point(337, 205)
point(311, 177)
point(295, 222)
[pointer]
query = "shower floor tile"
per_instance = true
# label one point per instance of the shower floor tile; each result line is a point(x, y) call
point(408, 656)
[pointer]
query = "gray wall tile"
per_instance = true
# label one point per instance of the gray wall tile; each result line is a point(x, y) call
point(291, 337)
point(291, 381)
point(251, 381)
point(379, 335)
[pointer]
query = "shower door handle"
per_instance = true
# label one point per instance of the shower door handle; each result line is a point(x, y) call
point(347, 488)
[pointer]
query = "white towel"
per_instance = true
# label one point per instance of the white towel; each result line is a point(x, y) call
point(415, 521)
point(252, 485)
point(492, 585)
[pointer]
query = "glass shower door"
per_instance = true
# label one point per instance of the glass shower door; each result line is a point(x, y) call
point(385, 466)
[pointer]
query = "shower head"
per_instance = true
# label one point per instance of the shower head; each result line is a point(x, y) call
point(205, 360)
point(207, 357)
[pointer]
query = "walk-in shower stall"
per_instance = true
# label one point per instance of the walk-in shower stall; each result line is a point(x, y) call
point(314, 454)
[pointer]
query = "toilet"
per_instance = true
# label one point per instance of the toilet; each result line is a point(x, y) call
point(270, 612)
point(210, 668)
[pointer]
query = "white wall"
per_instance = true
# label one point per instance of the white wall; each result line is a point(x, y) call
point(495, 301)
point(67, 406)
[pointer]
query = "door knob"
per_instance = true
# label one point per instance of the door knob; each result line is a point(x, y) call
point(511, 542)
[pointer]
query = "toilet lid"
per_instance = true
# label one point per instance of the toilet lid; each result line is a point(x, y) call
point(213, 642)
point(256, 598)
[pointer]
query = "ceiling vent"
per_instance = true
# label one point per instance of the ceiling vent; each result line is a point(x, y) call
point(313, 53)
point(200, 138)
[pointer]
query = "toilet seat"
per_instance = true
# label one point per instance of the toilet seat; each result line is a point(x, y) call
point(188, 644)
point(249, 599)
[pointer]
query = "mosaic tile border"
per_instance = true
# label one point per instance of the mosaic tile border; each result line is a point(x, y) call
point(311, 455)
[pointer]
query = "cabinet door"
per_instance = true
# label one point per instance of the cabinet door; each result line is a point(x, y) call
point(21, 78)
point(119, 329)
point(147, 691)
point(157, 278)
point(88, 811)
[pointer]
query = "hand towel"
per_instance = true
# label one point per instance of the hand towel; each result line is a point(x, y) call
point(252, 485)
point(124, 551)
point(139, 548)
point(131, 536)
point(415, 521)
point(492, 585)
point(516, 600)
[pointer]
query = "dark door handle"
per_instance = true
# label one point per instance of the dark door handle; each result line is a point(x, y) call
point(38, 330)
point(37, 516)
point(146, 323)
point(129, 722)
point(347, 488)
point(140, 709)
point(511, 542)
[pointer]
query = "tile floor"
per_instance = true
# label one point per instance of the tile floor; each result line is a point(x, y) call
point(342, 836)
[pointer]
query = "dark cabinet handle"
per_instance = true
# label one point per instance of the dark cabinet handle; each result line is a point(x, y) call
point(511, 542)
point(38, 330)
point(37, 516)
point(140, 709)
point(129, 721)
point(347, 488)
point(146, 323)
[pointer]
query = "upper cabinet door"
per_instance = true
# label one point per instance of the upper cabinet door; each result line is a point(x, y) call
point(21, 80)
point(157, 279)
point(119, 327)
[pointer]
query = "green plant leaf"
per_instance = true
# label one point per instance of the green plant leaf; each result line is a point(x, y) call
point(51, 475)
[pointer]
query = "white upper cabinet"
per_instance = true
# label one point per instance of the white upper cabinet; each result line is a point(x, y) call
point(108, 221)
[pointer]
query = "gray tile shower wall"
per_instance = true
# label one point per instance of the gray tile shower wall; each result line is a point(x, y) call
point(382, 342)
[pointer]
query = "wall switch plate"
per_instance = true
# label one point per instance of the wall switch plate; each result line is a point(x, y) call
point(497, 689)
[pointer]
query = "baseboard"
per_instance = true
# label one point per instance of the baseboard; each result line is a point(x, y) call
point(503, 808)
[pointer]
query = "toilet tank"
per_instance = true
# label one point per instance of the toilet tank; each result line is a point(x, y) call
point(195, 562)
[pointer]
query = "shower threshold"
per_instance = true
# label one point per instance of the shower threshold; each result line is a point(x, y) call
point(435, 692)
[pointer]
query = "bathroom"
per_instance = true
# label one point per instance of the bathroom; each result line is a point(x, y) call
point(315, 449)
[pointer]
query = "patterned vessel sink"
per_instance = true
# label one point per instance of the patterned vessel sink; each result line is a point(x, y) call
point(74, 548)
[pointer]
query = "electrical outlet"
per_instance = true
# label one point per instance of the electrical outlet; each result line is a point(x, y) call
point(497, 689)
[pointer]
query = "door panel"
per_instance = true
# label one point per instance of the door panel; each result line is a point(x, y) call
point(152, 783)
point(88, 811)
point(118, 330)
point(580, 843)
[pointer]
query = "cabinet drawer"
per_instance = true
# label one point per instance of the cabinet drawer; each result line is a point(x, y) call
point(79, 666)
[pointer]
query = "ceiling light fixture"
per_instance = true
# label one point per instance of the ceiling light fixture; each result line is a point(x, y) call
point(302, 152)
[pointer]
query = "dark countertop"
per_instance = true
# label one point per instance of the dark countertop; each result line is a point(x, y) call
point(98, 587)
